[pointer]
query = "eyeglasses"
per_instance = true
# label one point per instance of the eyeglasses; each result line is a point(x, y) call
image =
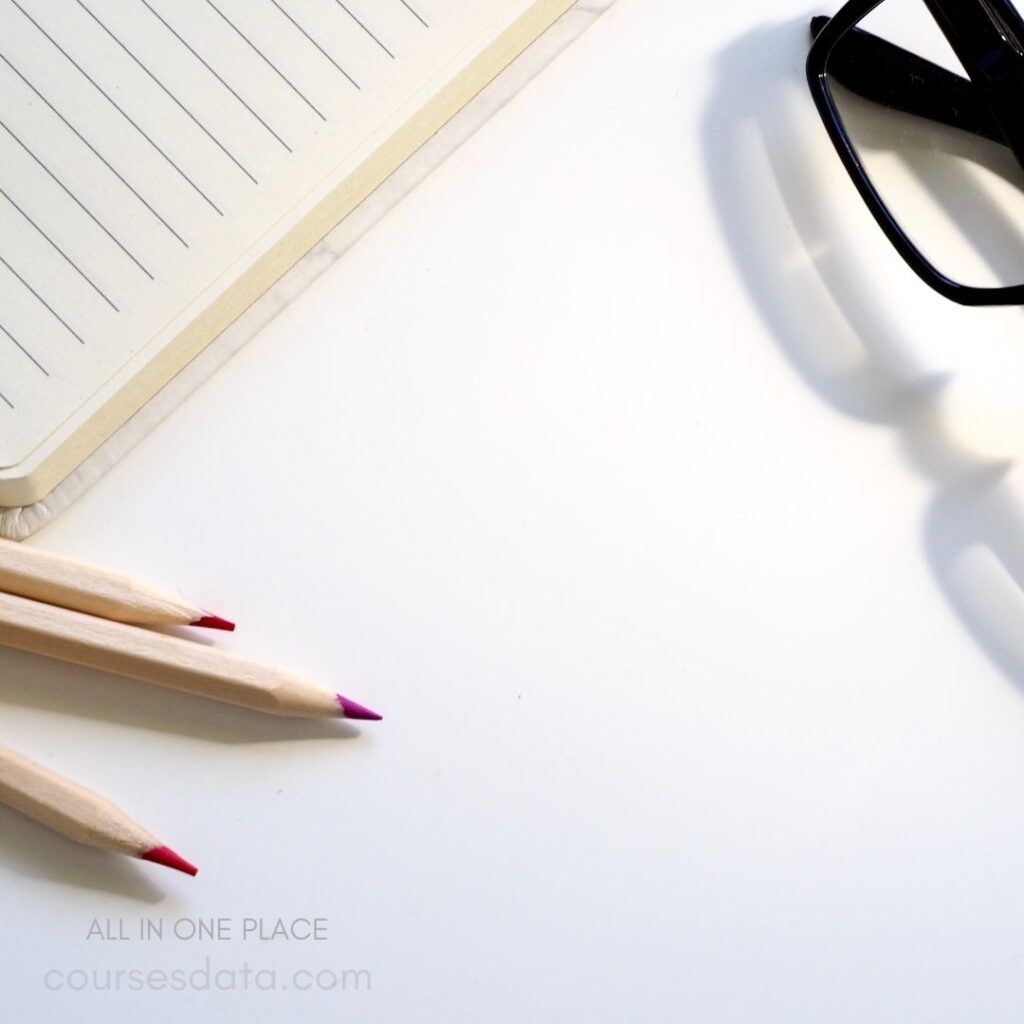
point(932, 133)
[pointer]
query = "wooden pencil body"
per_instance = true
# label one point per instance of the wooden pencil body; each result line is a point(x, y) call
point(159, 659)
point(53, 579)
point(68, 808)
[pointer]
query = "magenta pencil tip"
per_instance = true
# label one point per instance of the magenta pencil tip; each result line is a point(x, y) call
point(214, 622)
point(169, 859)
point(353, 710)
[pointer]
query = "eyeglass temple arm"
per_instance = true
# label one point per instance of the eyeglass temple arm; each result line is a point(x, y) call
point(986, 36)
point(880, 71)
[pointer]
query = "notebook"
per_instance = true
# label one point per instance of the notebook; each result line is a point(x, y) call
point(162, 162)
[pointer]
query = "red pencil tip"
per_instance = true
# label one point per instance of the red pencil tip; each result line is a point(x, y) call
point(353, 710)
point(214, 622)
point(166, 856)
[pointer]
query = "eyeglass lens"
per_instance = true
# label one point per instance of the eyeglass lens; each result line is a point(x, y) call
point(929, 145)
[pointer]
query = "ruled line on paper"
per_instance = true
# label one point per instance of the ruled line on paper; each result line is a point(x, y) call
point(266, 60)
point(135, 118)
point(50, 308)
point(24, 351)
point(414, 13)
point(315, 43)
point(110, 99)
point(77, 201)
point(99, 156)
point(67, 259)
point(368, 31)
point(214, 73)
point(181, 106)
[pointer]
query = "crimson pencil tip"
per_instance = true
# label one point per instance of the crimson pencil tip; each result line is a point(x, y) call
point(214, 622)
point(353, 710)
point(169, 859)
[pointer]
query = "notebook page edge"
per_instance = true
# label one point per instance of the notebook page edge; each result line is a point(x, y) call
point(528, 56)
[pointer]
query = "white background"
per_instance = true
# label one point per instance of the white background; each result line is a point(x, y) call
point(657, 505)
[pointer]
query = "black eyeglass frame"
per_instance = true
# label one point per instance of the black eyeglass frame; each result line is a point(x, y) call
point(846, 19)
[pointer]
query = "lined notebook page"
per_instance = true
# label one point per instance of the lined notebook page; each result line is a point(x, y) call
point(149, 149)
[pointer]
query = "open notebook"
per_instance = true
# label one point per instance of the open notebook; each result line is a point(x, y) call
point(163, 161)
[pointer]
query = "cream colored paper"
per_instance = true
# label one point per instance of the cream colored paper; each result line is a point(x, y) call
point(92, 362)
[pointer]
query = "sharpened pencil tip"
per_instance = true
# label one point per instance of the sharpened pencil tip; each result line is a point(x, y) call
point(214, 622)
point(169, 859)
point(353, 710)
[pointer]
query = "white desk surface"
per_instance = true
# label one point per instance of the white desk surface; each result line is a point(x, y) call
point(630, 473)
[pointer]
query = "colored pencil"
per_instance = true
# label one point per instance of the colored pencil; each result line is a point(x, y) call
point(166, 661)
point(78, 813)
point(54, 579)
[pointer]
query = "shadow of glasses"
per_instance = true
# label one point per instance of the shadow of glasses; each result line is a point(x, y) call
point(818, 299)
